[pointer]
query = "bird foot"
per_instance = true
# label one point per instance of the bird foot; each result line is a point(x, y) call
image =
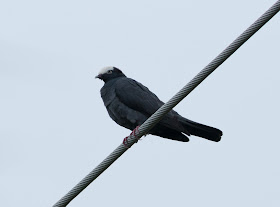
point(134, 132)
point(125, 142)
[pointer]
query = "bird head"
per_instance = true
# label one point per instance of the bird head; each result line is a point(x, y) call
point(109, 73)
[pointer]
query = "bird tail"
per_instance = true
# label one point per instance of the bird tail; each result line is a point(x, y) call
point(201, 130)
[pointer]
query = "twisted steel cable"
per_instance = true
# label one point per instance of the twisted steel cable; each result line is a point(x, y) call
point(158, 115)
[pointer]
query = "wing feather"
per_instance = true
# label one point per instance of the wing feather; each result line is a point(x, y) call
point(139, 98)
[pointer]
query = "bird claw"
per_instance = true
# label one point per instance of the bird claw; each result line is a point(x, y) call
point(125, 142)
point(134, 132)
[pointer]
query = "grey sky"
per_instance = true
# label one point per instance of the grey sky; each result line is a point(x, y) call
point(54, 128)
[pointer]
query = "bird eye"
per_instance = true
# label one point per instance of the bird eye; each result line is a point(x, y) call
point(109, 71)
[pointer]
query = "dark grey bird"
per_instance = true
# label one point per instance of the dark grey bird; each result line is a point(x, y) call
point(129, 104)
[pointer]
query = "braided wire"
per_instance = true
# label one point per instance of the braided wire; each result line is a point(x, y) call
point(159, 114)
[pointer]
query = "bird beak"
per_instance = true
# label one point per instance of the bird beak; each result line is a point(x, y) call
point(99, 76)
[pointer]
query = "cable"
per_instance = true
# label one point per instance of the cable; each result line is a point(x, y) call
point(158, 115)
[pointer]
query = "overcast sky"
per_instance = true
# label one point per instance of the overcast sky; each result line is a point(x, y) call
point(54, 128)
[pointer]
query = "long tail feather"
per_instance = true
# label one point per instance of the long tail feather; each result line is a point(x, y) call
point(203, 131)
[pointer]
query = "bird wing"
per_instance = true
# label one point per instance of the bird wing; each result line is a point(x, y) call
point(138, 97)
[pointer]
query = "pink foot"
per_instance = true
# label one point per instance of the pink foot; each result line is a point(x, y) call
point(125, 142)
point(134, 132)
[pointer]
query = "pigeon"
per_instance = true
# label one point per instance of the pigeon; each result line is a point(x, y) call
point(130, 104)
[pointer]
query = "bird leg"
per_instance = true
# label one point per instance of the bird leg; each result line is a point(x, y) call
point(134, 132)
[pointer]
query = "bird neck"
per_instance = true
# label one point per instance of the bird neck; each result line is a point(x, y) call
point(114, 78)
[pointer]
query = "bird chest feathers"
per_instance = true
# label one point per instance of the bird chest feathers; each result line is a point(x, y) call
point(108, 94)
